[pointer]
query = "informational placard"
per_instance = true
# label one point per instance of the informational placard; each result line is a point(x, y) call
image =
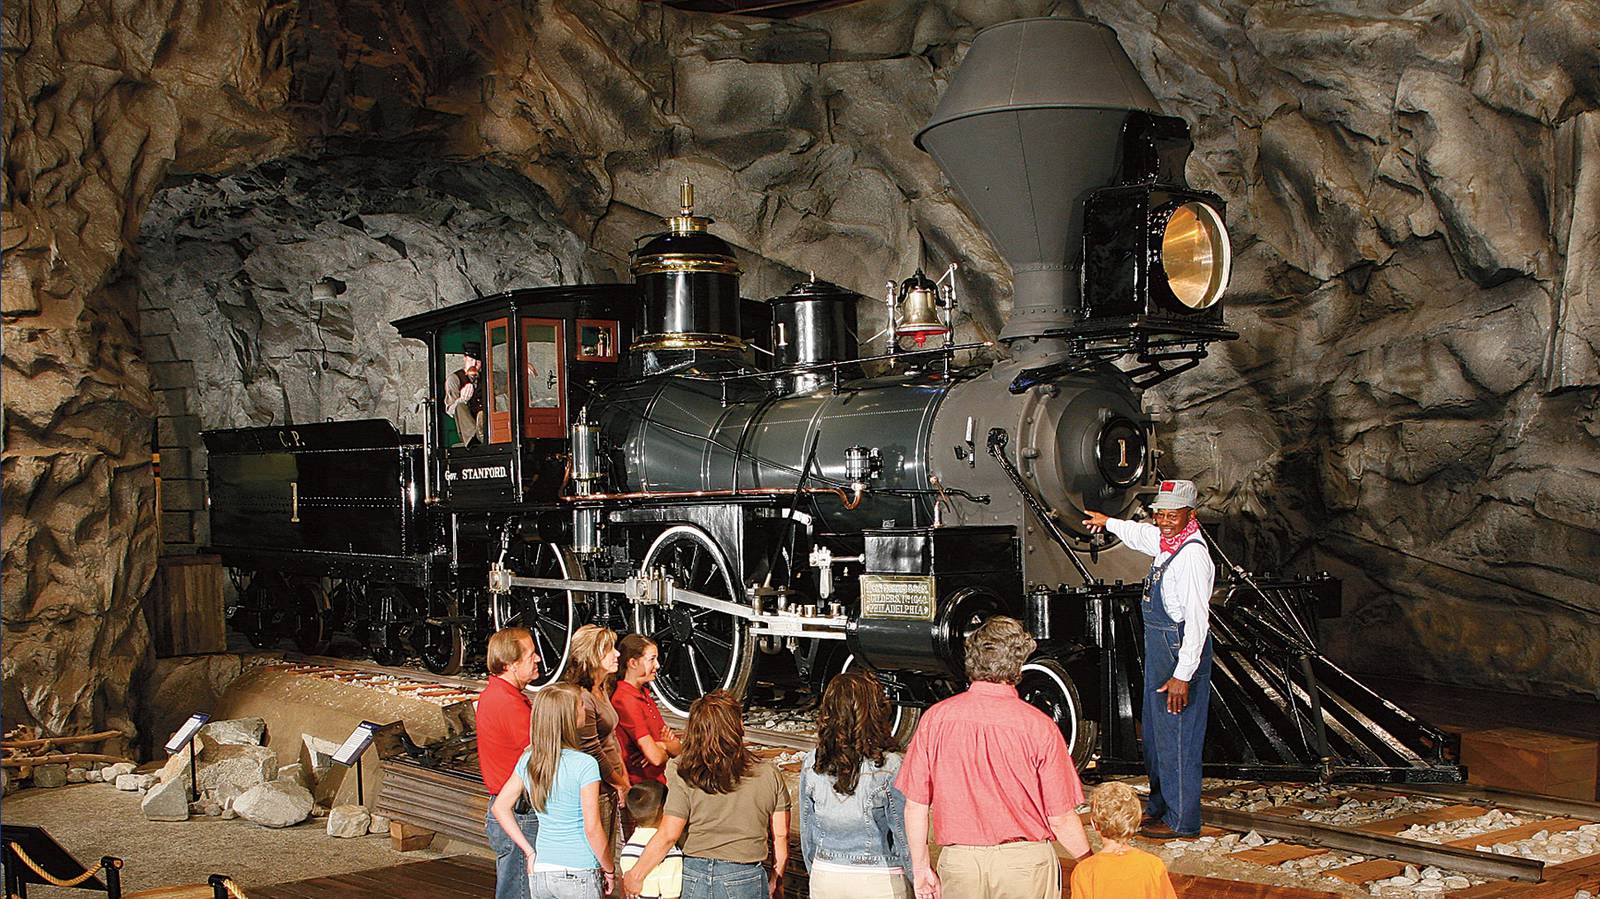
point(186, 733)
point(355, 744)
point(900, 597)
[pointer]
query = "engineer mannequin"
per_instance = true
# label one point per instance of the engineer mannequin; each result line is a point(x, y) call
point(463, 395)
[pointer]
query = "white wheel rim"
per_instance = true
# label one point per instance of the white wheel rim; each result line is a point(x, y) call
point(500, 608)
point(699, 536)
point(1066, 700)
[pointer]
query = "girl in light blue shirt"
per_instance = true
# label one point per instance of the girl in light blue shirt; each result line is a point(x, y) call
point(563, 785)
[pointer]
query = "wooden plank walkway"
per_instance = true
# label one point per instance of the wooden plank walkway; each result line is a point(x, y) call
point(456, 877)
point(462, 876)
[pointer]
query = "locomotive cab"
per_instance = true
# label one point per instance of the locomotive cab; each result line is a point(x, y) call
point(507, 374)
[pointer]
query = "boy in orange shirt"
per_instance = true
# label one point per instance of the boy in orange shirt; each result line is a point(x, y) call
point(1119, 871)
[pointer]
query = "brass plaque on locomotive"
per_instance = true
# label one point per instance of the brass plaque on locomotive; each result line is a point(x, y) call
point(900, 597)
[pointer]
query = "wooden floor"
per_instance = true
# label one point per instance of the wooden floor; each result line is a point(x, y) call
point(444, 878)
point(469, 875)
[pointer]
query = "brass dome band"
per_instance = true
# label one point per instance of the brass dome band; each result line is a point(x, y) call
point(689, 342)
point(671, 263)
point(685, 224)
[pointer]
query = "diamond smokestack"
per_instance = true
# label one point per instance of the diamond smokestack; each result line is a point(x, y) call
point(1030, 124)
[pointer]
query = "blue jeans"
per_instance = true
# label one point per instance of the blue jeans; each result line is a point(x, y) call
point(566, 884)
point(1174, 744)
point(510, 865)
point(712, 878)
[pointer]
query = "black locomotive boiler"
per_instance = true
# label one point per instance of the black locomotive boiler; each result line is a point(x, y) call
point(764, 493)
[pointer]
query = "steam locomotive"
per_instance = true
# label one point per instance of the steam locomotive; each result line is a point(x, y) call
point(762, 492)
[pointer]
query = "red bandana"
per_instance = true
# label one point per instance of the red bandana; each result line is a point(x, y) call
point(1188, 531)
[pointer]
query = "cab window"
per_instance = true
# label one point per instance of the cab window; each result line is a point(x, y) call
point(499, 379)
point(544, 413)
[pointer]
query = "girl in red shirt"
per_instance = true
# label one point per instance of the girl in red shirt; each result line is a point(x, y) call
point(646, 740)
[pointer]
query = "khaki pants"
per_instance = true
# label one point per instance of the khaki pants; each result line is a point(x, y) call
point(874, 884)
point(1007, 871)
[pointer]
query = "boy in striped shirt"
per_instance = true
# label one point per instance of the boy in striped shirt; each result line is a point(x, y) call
point(665, 881)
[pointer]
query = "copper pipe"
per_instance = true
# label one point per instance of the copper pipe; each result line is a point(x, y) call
point(850, 501)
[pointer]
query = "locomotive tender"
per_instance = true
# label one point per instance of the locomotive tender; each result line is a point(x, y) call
point(754, 488)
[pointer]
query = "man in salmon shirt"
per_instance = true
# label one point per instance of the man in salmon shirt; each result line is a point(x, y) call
point(998, 777)
point(502, 723)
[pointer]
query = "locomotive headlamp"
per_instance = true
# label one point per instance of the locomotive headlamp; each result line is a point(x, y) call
point(1195, 255)
point(1154, 253)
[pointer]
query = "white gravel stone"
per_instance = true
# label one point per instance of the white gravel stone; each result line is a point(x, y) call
point(110, 773)
point(380, 824)
point(77, 775)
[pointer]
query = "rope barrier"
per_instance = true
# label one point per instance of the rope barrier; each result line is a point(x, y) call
point(234, 891)
point(54, 881)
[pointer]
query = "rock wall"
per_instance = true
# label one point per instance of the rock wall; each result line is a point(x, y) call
point(1414, 198)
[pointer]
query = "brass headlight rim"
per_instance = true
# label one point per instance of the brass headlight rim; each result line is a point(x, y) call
point(1210, 223)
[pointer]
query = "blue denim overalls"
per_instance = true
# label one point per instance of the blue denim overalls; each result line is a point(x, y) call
point(1173, 744)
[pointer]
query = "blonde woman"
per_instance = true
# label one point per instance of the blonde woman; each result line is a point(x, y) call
point(592, 668)
point(571, 856)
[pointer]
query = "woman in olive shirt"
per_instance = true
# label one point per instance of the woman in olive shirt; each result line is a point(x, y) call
point(592, 667)
point(728, 806)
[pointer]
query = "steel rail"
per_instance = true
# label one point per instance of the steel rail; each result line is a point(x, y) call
point(1311, 833)
point(760, 735)
point(1525, 802)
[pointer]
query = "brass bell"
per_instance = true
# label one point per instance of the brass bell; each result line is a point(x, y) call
point(918, 316)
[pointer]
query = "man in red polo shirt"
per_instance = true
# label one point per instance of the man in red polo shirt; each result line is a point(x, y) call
point(999, 779)
point(502, 724)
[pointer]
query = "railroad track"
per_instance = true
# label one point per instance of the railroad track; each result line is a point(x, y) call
point(1450, 828)
point(427, 685)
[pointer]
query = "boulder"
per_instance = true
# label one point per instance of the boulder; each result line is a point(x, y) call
point(226, 794)
point(77, 775)
point(316, 756)
point(243, 766)
point(236, 731)
point(293, 773)
point(167, 801)
point(50, 776)
point(348, 821)
point(274, 804)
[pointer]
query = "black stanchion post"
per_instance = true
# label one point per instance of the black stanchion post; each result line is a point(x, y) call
point(113, 868)
point(219, 886)
point(194, 771)
point(361, 799)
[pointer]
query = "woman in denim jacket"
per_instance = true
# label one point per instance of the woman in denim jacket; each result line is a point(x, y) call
point(852, 819)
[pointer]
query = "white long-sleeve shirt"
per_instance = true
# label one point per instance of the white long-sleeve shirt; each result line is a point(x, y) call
point(1185, 587)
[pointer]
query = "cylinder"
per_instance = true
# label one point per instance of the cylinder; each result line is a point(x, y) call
point(812, 325)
